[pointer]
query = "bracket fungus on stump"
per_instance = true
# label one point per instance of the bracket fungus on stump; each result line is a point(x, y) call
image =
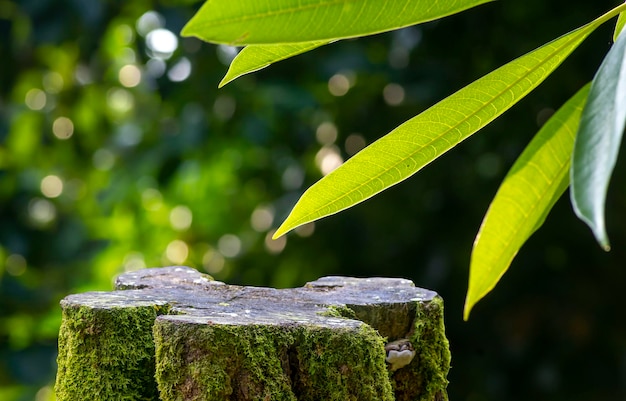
point(176, 334)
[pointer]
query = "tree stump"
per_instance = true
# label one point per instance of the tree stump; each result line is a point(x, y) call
point(176, 334)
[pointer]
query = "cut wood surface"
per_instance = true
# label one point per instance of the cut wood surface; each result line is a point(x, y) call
point(176, 334)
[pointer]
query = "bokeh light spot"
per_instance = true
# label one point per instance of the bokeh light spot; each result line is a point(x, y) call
point(327, 159)
point(305, 230)
point(292, 177)
point(120, 100)
point(53, 82)
point(338, 85)
point(213, 261)
point(83, 75)
point(51, 186)
point(35, 99)
point(177, 252)
point(15, 264)
point(134, 261)
point(162, 42)
point(151, 199)
point(544, 115)
point(326, 133)
point(354, 143)
point(180, 71)
point(181, 218)
point(226, 54)
point(45, 393)
point(129, 75)
point(128, 135)
point(393, 94)
point(275, 246)
point(229, 245)
point(41, 211)
point(125, 34)
point(63, 128)
point(155, 67)
point(262, 218)
point(149, 21)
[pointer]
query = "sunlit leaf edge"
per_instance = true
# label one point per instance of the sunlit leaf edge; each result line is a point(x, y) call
point(253, 58)
point(619, 25)
point(212, 14)
point(539, 176)
point(598, 141)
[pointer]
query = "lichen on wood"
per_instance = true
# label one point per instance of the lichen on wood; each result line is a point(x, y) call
point(175, 334)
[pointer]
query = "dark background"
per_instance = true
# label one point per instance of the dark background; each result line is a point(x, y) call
point(142, 159)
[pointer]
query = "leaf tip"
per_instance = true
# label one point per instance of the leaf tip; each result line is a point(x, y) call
point(289, 224)
point(466, 311)
point(186, 31)
point(223, 82)
point(470, 302)
point(282, 229)
point(229, 77)
point(279, 233)
point(605, 245)
point(601, 237)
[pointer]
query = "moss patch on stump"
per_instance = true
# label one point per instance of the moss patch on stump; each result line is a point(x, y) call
point(175, 334)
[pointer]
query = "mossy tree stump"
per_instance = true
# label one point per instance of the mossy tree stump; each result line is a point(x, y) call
point(175, 334)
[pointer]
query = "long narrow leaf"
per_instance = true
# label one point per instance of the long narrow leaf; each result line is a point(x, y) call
point(598, 141)
point(414, 144)
point(245, 22)
point(535, 182)
point(619, 25)
point(255, 57)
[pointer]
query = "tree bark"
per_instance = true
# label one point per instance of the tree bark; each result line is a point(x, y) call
point(176, 334)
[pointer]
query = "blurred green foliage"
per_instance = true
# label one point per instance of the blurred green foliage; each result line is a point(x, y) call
point(117, 151)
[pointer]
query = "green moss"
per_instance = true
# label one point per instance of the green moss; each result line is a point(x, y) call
point(341, 365)
point(222, 362)
point(340, 311)
point(106, 354)
point(425, 378)
point(269, 362)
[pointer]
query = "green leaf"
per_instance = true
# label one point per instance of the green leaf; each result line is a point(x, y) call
point(417, 142)
point(598, 141)
point(535, 182)
point(255, 57)
point(245, 22)
point(621, 21)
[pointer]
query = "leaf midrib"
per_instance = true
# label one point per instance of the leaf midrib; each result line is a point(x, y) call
point(435, 140)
